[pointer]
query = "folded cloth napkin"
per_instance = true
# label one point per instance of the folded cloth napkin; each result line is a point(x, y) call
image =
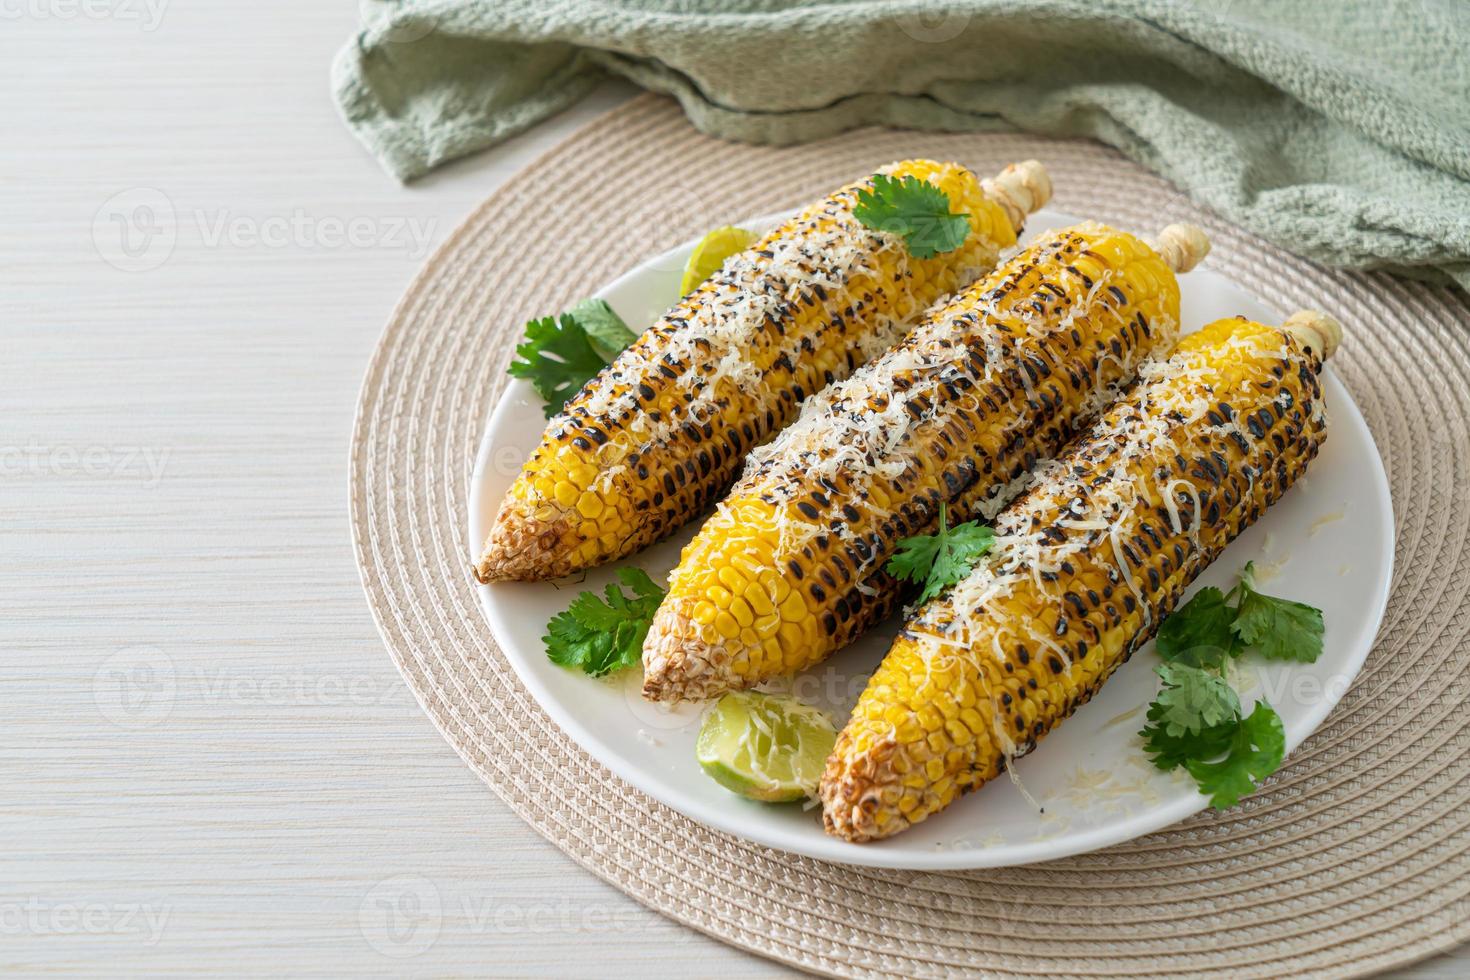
point(1338, 130)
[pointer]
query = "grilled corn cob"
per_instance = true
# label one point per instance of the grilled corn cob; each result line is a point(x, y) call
point(790, 567)
point(657, 436)
point(1086, 565)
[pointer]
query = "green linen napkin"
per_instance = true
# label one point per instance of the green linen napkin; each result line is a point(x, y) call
point(1338, 129)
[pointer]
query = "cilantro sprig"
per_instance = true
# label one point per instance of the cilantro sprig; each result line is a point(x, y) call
point(562, 353)
point(1192, 700)
point(1257, 746)
point(1279, 628)
point(607, 331)
point(603, 635)
point(1199, 632)
point(1214, 627)
point(915, 209)
point(940, 560)
point(1196, 721)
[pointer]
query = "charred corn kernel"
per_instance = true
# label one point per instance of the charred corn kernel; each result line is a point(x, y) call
point(985, 386)
point(1085, 566)
point(664, 428)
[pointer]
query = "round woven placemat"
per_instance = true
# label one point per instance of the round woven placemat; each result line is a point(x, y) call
point(1353, 859)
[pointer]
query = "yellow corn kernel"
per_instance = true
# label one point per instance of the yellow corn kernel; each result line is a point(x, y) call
point(748, 566)
point(1058, 317)
point(1026, 659)
point(791, 635)
point(731, 579)
point(702, 435)
point(774, 585)
point(741, 611)
point(727, 625)
point(755, 594)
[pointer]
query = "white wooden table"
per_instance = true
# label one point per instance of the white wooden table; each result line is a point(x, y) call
point(207, 760)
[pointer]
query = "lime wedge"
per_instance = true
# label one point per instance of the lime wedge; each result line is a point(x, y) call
point(711, 252)
point(764, 746)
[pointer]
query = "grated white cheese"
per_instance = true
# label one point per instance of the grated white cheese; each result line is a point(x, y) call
point(882, 421)
point(716, 338)
point(1092, 508)
point(1325, 520)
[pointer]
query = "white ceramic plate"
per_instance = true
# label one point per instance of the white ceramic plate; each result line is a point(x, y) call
point(1328, 542)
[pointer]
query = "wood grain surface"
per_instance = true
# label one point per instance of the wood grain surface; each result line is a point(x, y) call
point(207, 762)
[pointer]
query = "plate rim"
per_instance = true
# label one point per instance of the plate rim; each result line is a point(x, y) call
point(874, 854)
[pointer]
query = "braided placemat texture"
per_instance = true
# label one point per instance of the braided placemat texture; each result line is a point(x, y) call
point(1352, 860)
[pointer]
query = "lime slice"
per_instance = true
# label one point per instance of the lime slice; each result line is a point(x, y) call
point(711, 252)
point(764, 746)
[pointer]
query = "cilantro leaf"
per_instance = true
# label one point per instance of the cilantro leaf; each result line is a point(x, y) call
point(1280, 629)
point(602, 635)
point(557, 358)
point(914, 558)
point(1195, 721)
point(915, 209)
point(1198, 633)
point(563, 353)
point(1257, 747)
point(943, 559)
point(607, 331)
point(1192, 699)
point(1172, 751)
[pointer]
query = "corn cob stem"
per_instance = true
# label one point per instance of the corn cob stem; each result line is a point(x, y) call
point(658, 435)
point(1020, 189)
point(1315, 331)
point(1182, 247)
point(1086, 566)
point(791, 566)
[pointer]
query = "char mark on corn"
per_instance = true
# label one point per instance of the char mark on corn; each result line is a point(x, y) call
point(790, 567)
point(1086, 565)
point(655, 438)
